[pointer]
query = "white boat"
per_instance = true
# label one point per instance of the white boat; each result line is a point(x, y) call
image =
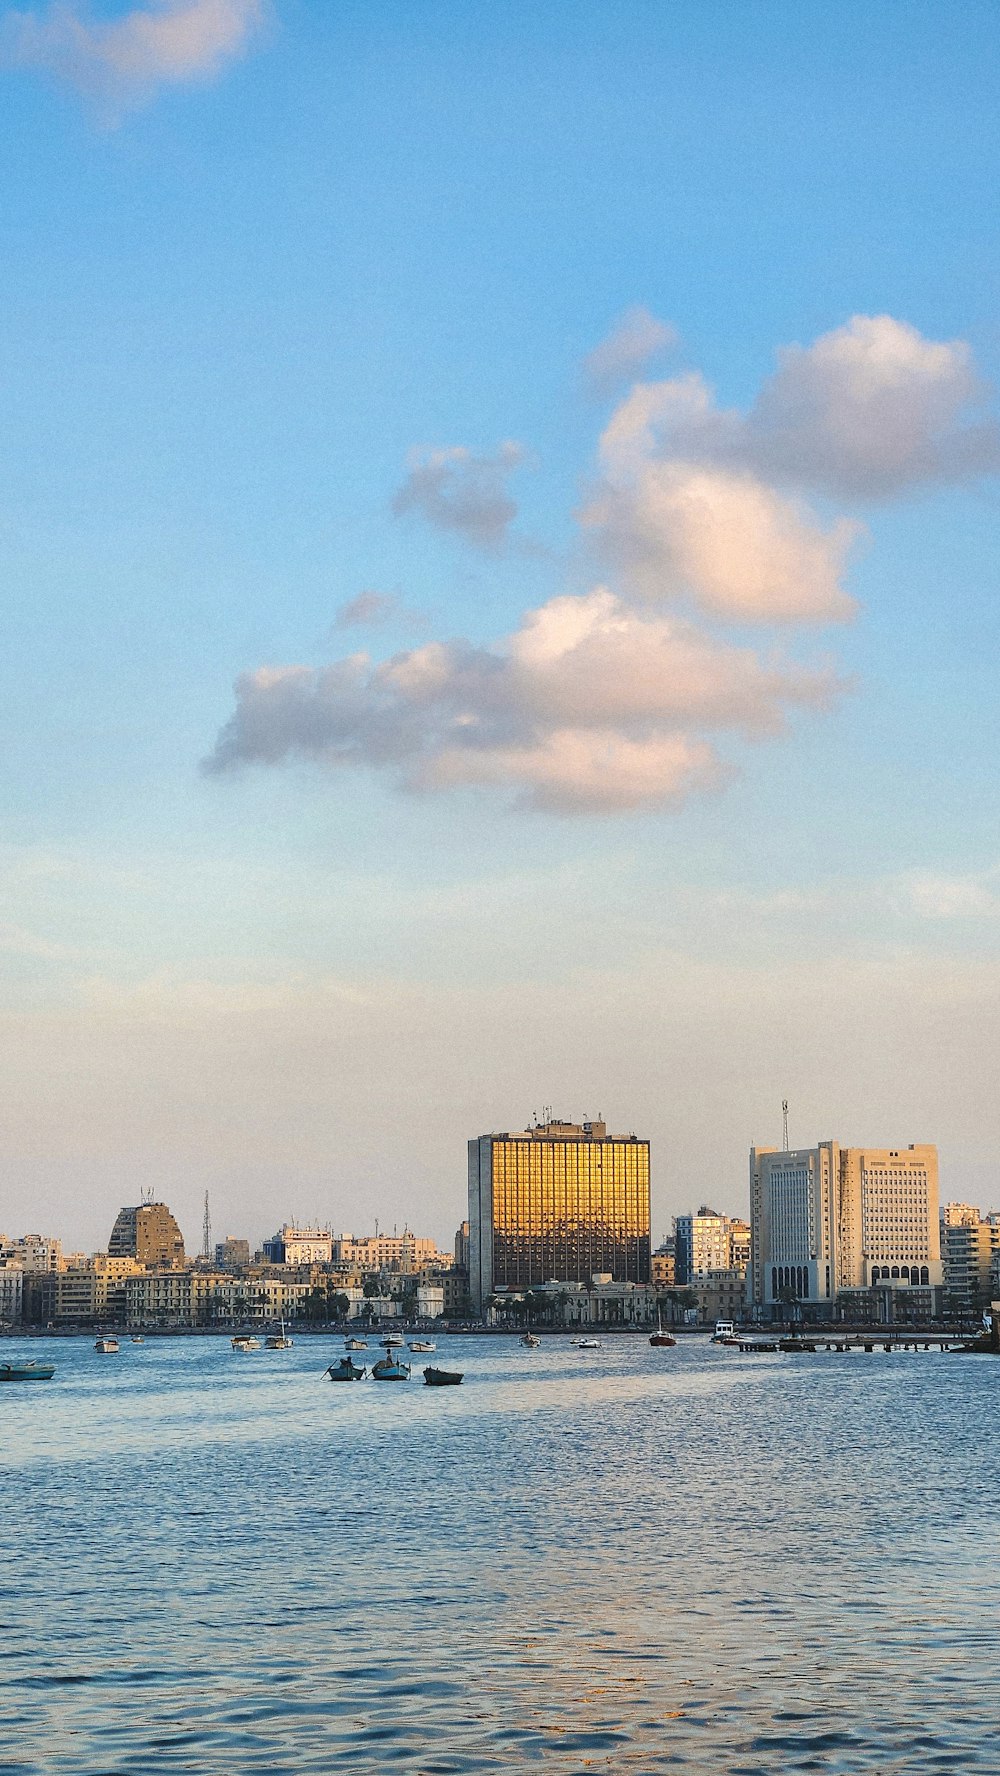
point(108, 1347)
point(422, 1344)
point(392, 1341)
point(137, 1341)
point(245, 1341)
point(529, 1339)
point(588, 1344)
point(355, 1344)
point(277, 1341)
point(725, 1332)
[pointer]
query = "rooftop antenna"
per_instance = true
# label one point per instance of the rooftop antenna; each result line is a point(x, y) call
point(784, 1124)
point(206, 1232)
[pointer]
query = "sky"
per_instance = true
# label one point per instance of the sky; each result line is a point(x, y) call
point(499, 557)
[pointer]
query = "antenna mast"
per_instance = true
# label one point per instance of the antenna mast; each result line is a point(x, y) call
point(206, 1232)
point(784, 1124)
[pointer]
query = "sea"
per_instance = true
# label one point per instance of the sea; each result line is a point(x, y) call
point(621, 1560)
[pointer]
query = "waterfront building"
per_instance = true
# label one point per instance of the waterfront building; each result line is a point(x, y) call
point(430, 1301)
point(371, 1253)
point(232, 1254)
point(93, 1291)
point(968, 1252)
point(149, 1234)
point(702, 1242)
point(34, 1253)
point(299, 1245)
point(558, 1202)
point(11, 1292)
point(462, 1247)
point(829, 1219)
point(721, 1295)
point(663, 1268)
point(600, 1301)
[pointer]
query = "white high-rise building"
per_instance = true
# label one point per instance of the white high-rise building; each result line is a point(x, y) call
point(827, 1219)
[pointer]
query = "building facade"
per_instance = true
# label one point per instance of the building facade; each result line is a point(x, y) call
point(149, 1234)
point(969, 1250)
point(827, 1220)
point(559, 1202)
point(709, 1241)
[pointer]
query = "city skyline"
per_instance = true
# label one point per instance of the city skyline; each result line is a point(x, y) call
point(501, 595)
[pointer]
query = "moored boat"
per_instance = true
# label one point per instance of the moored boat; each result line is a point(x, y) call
point(392, 1341)
point(441, 1378)
point(725, 1332)
point(346, 1370)
point(277, 1341)
point(422, 1344)
point(588, 1344)
point(659, 1336)
point(109, 1347)
point(27, 1371)
point(245, 1341)
point(389, 1368)
point(355, 1344)
point(530, 1341)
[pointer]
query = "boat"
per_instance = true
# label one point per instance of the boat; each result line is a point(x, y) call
point(135, 1340)
point(725, 1332)
point(245, 1341)
point(389, 1368)
point(108, 1347)
point(529, 1339)
point(27, 1371)
point(392, 1341)
point(276, 1341)
point(660, 1337)
point(346, 1370)
point(588, 1344)
point(422, 1344)
point(442, 1378)
point(355, 1344)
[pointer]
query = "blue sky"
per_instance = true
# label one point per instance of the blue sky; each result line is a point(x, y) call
point(240, 287)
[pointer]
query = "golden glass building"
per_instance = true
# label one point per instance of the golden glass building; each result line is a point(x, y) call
point(561, 1202)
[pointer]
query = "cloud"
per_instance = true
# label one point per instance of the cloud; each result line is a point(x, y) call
point(725, 539)
point(122, 61)
point(636, 338)
point(367, 610)
point(455, 490)
point(974, 896)
point(589, 707)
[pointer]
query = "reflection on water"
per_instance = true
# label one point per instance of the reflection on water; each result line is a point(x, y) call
point(620, 1560)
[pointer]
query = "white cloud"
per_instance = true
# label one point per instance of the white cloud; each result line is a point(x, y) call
point(952, 896)
point(367, 610)
point(455, 490)
point(589, 707)
point(122, 61)
point(636, 338)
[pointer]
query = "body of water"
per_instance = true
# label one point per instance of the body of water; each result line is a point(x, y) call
point(625, 1560)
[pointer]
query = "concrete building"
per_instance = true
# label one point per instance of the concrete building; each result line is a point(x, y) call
point(830, 1219)
point(663, 1269)
point(969, 1250)
point(709, 1241)
point(34, 1253)
point(558, 1202)
point(11, 1292)
point(149, 1234)
point(299, 1245)
point(430, 1301)
point(371, 1253)
point(462, 1247)
point(601, 1302)
point(94, 1292)
point(721, 1296)
point(231, 1253)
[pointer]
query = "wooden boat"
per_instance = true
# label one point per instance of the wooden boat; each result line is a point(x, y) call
point(346, 1370)
point(245, 1341)
point(108, 1347)
point(422, 1344)
point(392, 1341)
point(355, 1344)
point(530, 1341)
point(660, 1337)
point(27, 1371)
point(137, 1340)
point(588, 1344)
point(441, 1378)
point(389, 1368)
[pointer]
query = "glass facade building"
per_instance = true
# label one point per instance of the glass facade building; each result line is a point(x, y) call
point(561, 1202)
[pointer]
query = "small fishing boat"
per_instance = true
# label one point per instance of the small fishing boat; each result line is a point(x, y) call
point(346, 1370)
point(725, 1332)
point(530, 1341)
point(108, 1347)
point(422, 1344)
point(135, 1340)
point(276, 1341)
point(355, 1344)
point(392, 1341)
point(659, 1336)
point(245, 1341)
point(27, 1371)
point(588, 1344)
point(389, 1368)
point(442, 1378)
